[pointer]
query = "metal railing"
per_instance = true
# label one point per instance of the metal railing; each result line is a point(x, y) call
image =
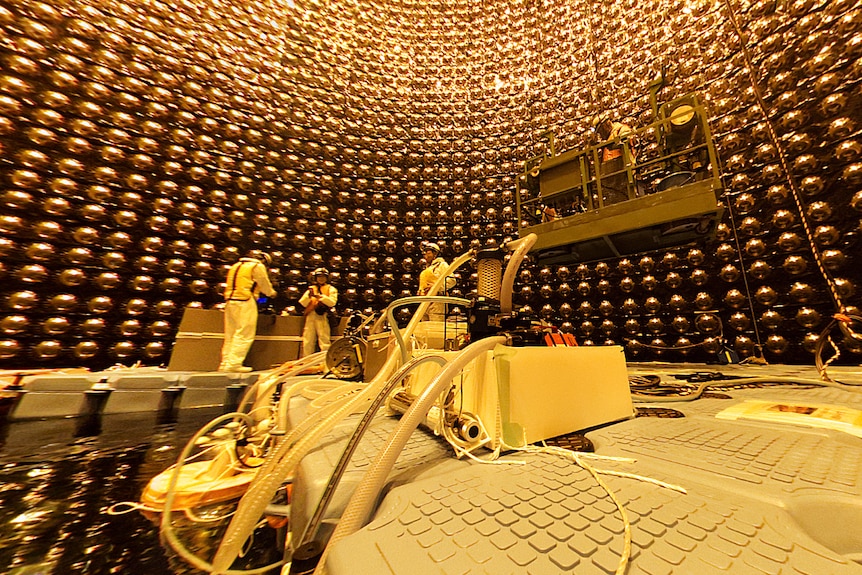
point(675, 150)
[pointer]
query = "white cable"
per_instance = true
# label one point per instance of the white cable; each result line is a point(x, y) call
point(267, 382)
point(276, 469)
point(334, 395)
point(166, 529)
point(627, 528)
point(366, 493)
point(645, 479)
point(286, 457)
point(421, 299)
point(642, 398)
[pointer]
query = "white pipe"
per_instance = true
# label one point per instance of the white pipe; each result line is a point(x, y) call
point(266, 384)
point(393, 360)
point(459, 261)
point(287, 393)
point(335, 394)
point(390, 315)
point(269, 477)
point(166, 529)
point(279, 467)
point(360, 506)
point(521, 247)
point(397, 378)
point(432, 291)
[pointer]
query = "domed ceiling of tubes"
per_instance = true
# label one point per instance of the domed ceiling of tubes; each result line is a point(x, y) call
point(146, 143)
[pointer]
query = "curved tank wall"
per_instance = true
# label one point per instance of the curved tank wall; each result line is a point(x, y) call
point(146, 144)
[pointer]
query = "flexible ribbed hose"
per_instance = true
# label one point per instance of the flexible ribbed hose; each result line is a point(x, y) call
point(311, 528)
point(166, 529)
point(279, 465)
point(360, 506)
point(390, 314)
point(283, 463)
point(521, 247)
point(287, 456)
point(263, 385)
point(272, 474)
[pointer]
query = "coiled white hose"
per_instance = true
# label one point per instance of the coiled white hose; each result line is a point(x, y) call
point(166, 529)
point(272, 474)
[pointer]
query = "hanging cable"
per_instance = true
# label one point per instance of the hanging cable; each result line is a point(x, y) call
point(843, 322)
point(782, 158)
point(748, 296)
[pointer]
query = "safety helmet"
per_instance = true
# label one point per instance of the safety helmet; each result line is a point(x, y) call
point(262, 256)
point(600, 119)
point(431, 246)
point(320, 272)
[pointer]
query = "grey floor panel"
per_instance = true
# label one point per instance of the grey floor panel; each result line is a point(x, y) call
point(762, 498)
point(550, 517)
point(423, 454)
point(786, 459)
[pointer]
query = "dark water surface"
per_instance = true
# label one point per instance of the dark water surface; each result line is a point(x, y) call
point(57, 479)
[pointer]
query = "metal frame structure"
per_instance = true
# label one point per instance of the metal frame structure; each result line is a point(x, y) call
point(667, 191)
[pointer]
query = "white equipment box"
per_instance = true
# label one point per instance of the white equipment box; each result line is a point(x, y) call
point(543, 392)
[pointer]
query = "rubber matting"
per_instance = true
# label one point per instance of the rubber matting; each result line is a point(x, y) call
point(761, 498)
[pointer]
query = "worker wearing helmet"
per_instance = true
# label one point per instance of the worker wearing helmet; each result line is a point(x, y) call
point(435, 266)
point(613, 161)
point(318, 301)
point(246, 280)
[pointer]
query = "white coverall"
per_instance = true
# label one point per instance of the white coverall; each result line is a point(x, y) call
point(247, 278)
point(316, 329)
point(427, 278)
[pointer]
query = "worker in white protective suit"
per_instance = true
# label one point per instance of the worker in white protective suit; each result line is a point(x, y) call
point(247, 279)
point(318, 300)
point(435, 266)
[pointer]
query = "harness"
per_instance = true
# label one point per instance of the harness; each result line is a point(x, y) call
point(309, 309)
point(234, 279)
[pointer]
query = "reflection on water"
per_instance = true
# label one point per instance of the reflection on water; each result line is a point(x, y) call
point(57, 479)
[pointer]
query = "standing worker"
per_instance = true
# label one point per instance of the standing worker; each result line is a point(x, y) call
point(318, 301)
point(246, 280)
point(615, 156)
point(435, 266)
